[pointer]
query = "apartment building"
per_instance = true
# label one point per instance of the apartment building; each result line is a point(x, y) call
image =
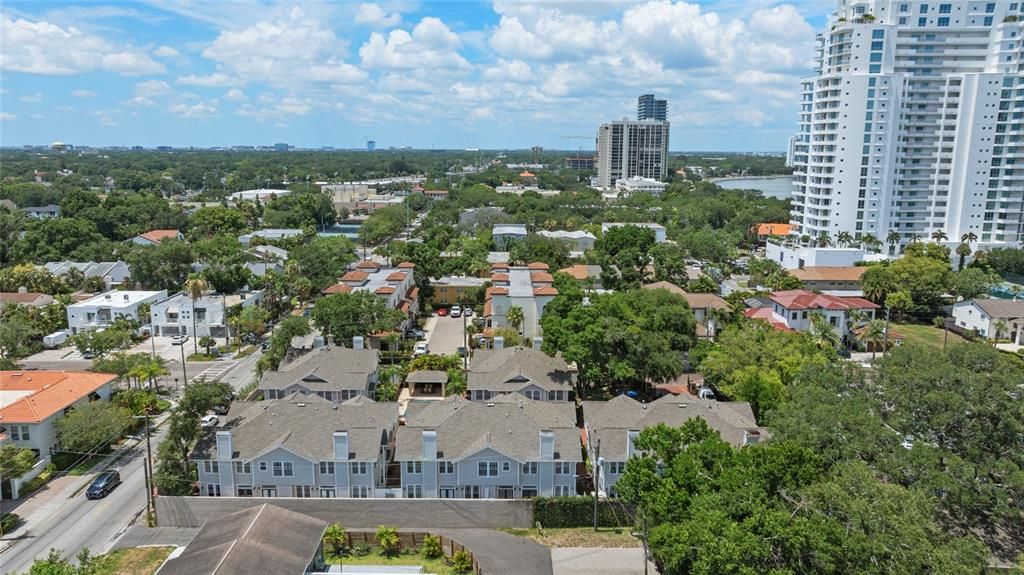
point(518, 370)
point(299, 446)
point(528, 288)
point(579, 241)
point(507, 448)
point(628, 148)
point(101, 311)
point(612, 427)
point(334, 373)
point(395, 286)
point(913, 123)
point(174, 315)
point(451, 290)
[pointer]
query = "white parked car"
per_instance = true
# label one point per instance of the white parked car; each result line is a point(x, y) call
point(179, 339)
point(456, 311)
point(210, 420)
point(468, 312)
point(421, 349)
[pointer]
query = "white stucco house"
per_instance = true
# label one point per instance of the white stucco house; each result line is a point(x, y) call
point(173, 316)
point(983, 316)
point(101, 311)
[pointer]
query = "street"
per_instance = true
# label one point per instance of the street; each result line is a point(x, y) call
point(445, 334)
point(74, 522)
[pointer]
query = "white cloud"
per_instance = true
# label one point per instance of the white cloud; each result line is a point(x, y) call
point(217, 79)
point(274, 108)
point(296, 49)
point(33, 98)
point(106, 117)
point(83, 93)
point(141, 101)
point(719, 95)
point(40, 47)
point(235, 95)
point(373, 15)
point(509, 71)
point(431, 45)
point(165, 52)
point(7, 116)
point(196, 110)
point(151, 88)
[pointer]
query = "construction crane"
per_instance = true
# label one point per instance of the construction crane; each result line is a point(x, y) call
point(579, 152)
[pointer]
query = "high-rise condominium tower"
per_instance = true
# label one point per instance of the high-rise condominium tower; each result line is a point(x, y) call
point(914, 123)
point(650, 108)
point(628, 148)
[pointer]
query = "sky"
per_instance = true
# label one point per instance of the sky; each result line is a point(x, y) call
point(464, 74)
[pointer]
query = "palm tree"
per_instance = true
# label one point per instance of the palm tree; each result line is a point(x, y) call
point(870, 242)
point(824, 240)
point(963, 250)
point(514, 315)
point(334, 538)
point(1000, 327)
point(939, 236)
point(855, 317)
point(150, 370)
point(969, 237)
point(194, 287)
point(823, 333)
point(873, 334)
point(915, 238)
point(844, 238)
point(893, 238)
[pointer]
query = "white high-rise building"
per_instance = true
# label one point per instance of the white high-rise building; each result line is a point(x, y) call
point(629, 148)
point(914, 123)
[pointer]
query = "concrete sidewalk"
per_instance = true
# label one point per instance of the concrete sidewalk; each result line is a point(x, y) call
point(599, 561)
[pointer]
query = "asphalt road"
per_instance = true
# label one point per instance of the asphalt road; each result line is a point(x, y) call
point(446, 335)
point(78, 522)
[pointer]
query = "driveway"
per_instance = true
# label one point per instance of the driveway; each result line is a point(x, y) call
point(500, 552)
point(445, 335)
point(598, 561)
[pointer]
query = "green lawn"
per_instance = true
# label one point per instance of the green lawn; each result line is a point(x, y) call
point(920, 334)
point(133, 561)
point(579, 537)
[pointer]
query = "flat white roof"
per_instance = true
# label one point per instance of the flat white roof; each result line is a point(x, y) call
point(9, 396)
point(117, 298)
point(606, 226)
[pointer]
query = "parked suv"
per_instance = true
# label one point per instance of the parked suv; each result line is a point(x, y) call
point(103, 484)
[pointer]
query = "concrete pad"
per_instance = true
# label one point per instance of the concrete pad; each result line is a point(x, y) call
point(599, 561)
point(446, 336)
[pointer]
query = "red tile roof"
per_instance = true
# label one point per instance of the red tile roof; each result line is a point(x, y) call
point(499, 266)
point(338, 288)
point(396, 276)
point(546, 290)
point(384, 290)
point(803, 299)
point(368, 265)
point(766, 314)
point(494, 290)
point(541, 277)
point(50, 392)
point(412, 294)
point(537, 266)
point(774, 229)
point(354, 276)
point(578, 271)
point(407, 265)
point(20, 297)
point(156, 236)
point(499, 277)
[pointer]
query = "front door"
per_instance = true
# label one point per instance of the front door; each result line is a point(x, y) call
point(506, 492)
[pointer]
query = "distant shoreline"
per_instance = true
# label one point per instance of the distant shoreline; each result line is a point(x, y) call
point(726, 179)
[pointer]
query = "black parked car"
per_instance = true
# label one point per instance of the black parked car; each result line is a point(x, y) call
point(103, 484)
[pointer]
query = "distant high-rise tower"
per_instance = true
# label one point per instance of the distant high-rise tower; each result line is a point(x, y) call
point(650, 108)
point(628, 148)
point(911, 126)
point(371, 145)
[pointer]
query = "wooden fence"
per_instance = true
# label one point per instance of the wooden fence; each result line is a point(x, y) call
point(413, 540)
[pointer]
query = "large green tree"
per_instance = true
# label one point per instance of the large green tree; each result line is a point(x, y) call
point(345, 315)
point(92, 427)
point(323, 260)
point(174, 472)
point(623, 253)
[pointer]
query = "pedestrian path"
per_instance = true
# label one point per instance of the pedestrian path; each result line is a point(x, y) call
point(215, 371)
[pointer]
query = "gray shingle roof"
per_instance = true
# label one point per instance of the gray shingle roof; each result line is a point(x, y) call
point(509, 424)
point(427, 376)
point(304, 425)
point(998, 308)
point(325, 369)
point(261, 539)
point(609, 421)
point(514, 368)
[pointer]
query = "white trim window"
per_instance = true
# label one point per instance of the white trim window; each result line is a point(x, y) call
point(414, 491)
point(564, 467)
point(413, 467)
point(327, 492)
point(326, 468)
point(360, 491)
point(446, 467)
point(303, 491)
point(616, 467)
point(243, 467)
point(446, 492)
point(506, 466)
point(211, 467)
point(359, 468)
point(530, 468)
point(245, 490)
point(562, 491)
point(283, 469)
point(487, 469)
point(529, 491)
point(213, 489)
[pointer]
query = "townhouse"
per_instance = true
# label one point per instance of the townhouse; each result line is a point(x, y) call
point(612, 427)
point(334, 373)
point(831, 280)
point(113, 273)
point(299, 446)
point(102, 310)
point(395, 286)
point(518, 370)
point(507, 448)
point(528, 288)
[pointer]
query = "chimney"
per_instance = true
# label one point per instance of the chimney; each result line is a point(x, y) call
point(631, 436)
point(499, 342)
point(225, 446)
point(357, 342)
point(537, 342)
point(547, 445)
point(341, 445)
point(429, 445)
point(22, 289)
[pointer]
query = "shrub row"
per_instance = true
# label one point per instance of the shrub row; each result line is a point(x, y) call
point(579, 512)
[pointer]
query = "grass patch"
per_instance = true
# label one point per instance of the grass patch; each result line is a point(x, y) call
point(246, 352)
point(200, 357)
point(69, 463)
point(920, 334)
point(579, 537)
point(133, 561)
point(437, 566)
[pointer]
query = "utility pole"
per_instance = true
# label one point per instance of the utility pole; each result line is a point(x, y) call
point(465, 341)
point(147, 470)
point(597, 477)
point(184, 374)
point(885, 332)
point(644, 515)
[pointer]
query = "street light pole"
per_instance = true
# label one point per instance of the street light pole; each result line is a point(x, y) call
point(184, 374)
point(147, 469)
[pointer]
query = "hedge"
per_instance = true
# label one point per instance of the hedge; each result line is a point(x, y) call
point(579, 512)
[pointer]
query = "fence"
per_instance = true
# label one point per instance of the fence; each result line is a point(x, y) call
point(413, 540)
point(18, 482)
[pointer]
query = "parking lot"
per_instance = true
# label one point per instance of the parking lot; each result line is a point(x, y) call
point(162, 345)
point(444, 334)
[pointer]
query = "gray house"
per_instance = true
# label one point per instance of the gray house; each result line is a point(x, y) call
point(526, 371)
point(334, 373)
point(113, 273)
point(261, 539)
point(507, 448)
point(302, 446)
point(615, 425)
point(43, 212)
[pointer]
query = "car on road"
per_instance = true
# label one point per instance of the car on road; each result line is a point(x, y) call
point(421, 349)
point(209, 420)
point(179, 339)
point(88, 355)
point(415, 333)
point(456, 311)
point(468, 312)
point(461, 351)
point(103, 484)
point(442, 312)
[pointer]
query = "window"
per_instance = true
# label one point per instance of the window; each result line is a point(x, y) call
point(922, 22)
point(876, 45)
point(358, 467)
point(487, 469)
point(327, 492)
point(245, 490)
point(530, 468)
point(263, 466)
point(414, 491)
point(326, 468)
point(564, 467)
point(617, 467)
point(990, 7)
point(924, 8)
point(414, 467)
point(20, 433)
point(904, 7)
point(447, 492)
point(211, 467)
point(213, 490)
point(874, 69)
point(360, 491)
point(268, 491)
point(535, 394)
point(945, 8)
point(304, 491)
point(562, 491)
point(506, 467)
point(243, 467)
point(446, 467)
point(944, 22)
point(877, 35)
point(283, 469)
point(529, 491)
point(903, 20)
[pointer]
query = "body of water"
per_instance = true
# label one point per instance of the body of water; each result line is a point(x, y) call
point(780, 187)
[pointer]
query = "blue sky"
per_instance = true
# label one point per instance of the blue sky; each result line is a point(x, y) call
point(501, 74)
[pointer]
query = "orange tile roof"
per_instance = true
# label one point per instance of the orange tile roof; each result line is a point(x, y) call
point(50, 392)
point(338, 288)
point(774, 229)
point(156, 236)
point(412, 294)
point(499, 277)
point(354, 276)
point(383, 290)
point(537, 266)
point(766, 314)
point(396, 276)
point(499, 266)
point(829, 273)
point(803, 299)
point(404, 308)
point(367, 265)
point(578, 271)
point(20, 297)
point(487, 308)
point(541, 277)
point(527, 175)
point(546, 290)
point(494, 290)
point(695, 300)
point(407, 265)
